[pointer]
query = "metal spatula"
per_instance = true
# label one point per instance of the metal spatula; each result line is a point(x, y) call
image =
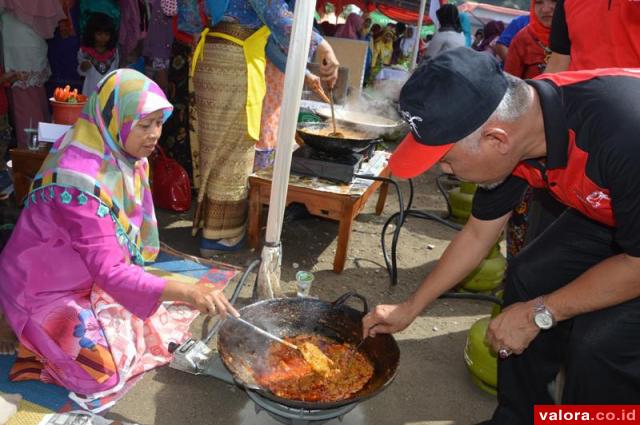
point(265, 333)
point(318, 361)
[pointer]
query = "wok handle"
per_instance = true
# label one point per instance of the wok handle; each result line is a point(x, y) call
point(343, 298)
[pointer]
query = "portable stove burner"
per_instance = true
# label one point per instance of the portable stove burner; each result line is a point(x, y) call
point(297, 416)
point(307, 161)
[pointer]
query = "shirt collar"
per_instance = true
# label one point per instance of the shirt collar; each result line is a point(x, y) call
point(556, 130)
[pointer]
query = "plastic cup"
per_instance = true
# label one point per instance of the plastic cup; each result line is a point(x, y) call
point(303, 283)
point(32, 138)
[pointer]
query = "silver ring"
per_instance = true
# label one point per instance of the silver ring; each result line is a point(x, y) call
point(504, 353)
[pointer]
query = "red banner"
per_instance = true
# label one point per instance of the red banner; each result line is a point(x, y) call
point(396, 13)
point(570, 414)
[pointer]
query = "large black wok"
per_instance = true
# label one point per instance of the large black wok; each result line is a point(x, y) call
point(242, 350)
point(334, 145)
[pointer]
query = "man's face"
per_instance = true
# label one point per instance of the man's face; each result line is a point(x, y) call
point(143, 138)
point(485, 162)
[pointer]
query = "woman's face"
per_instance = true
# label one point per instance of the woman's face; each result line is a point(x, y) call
point(544, 11)
point(143, 138)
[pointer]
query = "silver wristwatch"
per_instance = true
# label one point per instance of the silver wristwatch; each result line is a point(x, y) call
point(542, 316)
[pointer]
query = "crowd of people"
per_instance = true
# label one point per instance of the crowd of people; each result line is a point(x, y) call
point(545, 118)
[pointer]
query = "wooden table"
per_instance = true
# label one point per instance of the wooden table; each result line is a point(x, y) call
point(338, 207)
point(25, 165)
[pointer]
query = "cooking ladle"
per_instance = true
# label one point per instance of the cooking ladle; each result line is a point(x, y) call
point(318, 361)
point(335, 132)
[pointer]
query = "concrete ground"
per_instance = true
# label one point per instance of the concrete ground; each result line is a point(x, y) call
point(432, 387)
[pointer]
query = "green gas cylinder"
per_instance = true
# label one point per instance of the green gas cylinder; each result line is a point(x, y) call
point(497, 308)
point(488, 275)
point(481, 362)
point(461, 199)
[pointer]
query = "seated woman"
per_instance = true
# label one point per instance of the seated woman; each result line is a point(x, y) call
point(72, 286)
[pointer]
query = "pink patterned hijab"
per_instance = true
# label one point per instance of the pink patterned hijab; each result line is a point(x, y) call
point(91, 158)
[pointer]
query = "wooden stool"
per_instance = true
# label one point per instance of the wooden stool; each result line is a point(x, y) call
point(25, 164)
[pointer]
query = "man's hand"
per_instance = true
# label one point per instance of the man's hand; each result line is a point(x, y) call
point(387, 318)
point(328, 63)
point(513, 329)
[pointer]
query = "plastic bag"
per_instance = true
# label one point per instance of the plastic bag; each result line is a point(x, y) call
point(171, 186)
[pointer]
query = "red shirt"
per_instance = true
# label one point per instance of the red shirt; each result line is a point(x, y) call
point(597, 33)
point(527, 56)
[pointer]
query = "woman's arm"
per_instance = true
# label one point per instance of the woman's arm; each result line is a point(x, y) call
point(275, 14)
point(203, 297)
point(94, 238)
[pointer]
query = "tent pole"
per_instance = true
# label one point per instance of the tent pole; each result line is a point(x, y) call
point(414, 57)
point(300, 39)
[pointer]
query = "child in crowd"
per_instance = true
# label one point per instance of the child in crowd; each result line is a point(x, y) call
point(98, 54)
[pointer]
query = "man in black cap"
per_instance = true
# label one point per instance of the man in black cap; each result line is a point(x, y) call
point(572, 295)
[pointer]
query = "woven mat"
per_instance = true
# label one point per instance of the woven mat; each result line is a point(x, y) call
point(29, 414)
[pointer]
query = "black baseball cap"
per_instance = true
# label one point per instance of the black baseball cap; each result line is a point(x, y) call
point(445, 100)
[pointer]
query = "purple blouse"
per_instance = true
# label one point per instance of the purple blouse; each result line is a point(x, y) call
point(57, 252)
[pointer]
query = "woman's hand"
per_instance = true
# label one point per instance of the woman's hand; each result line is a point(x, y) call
point(328, 63)
point(211, 301)
point(203, 297)
point(314, 83)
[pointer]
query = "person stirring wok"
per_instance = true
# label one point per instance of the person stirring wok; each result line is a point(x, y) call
point(572, 296)
point(72, 286)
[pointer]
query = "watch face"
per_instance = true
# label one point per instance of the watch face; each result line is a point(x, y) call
point(543, 320)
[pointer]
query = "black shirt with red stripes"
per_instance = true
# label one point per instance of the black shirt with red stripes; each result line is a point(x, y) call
point(592, 131)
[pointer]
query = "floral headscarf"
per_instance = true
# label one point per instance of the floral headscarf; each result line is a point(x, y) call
point(91, 158)
point(542, 32)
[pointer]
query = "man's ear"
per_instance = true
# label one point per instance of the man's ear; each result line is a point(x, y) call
point(498, 138)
